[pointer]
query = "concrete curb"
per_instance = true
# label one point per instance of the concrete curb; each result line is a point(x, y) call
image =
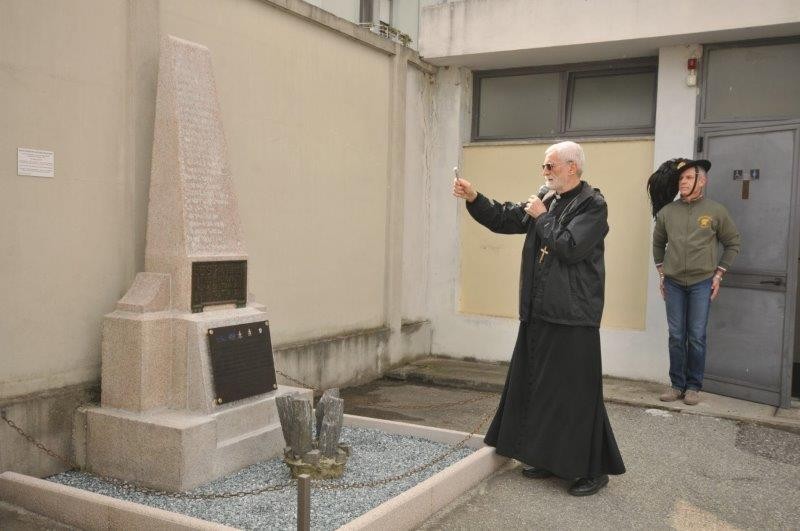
point(413, 507)
point(88, 510)
point(775, 423)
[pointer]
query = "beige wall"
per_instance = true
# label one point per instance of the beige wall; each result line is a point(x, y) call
point(305, 114)
point(416, 220)
point(489, 279)
point(306, 108)
point(65, 244)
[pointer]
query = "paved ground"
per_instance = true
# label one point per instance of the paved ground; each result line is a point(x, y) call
point(684, 470)
point(486, 376)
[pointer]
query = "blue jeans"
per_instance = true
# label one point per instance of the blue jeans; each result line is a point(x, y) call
point(687, 317)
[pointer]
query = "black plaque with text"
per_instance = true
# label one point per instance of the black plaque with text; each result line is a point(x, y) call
point(219, 283)
point(241, 361)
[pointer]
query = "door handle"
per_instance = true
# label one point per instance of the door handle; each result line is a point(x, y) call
point(775, 282)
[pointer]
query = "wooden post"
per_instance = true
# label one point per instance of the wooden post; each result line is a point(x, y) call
point(303, 502)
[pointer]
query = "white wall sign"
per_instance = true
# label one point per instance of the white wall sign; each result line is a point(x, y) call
point(36, 162)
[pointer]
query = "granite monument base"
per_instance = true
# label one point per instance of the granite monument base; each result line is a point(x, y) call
point(162, 422)
point(179, 450)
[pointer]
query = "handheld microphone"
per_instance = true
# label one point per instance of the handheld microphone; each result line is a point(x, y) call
point(540, 194)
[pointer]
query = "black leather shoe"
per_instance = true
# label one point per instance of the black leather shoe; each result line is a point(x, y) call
point(536, 473)
point(588, 486)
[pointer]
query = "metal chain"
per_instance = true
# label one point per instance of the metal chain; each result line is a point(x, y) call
point(197, 495)
point(295, 380)
point(36, 443)
point(408, 473)
point(320, 484)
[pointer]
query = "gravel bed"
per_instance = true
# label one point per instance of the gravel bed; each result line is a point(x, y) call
point(376, 455)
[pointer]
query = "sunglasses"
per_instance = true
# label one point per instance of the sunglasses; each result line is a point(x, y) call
point(549, 166)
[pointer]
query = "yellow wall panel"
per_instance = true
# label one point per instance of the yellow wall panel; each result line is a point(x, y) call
point(490, 262)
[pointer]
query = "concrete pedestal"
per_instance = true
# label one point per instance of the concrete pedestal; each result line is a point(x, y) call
point(159, 423)
point(179, 450)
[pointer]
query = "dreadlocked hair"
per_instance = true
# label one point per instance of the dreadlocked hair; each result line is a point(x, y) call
point(662, 185)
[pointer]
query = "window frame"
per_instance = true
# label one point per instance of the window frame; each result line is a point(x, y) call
point(702, 97)
point(567, 74)
point(366, 12)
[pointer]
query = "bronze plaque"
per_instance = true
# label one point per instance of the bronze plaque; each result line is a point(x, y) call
point(241, 361)
point(219, 283)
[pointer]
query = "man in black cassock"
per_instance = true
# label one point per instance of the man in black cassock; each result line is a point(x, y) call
point(551, 414)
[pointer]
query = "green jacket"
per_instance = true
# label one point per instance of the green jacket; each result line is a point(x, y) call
point(686, 237)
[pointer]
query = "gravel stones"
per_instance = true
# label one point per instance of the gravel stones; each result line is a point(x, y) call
point(375, 455)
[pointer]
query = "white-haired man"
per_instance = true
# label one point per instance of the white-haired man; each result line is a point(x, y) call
point(551, 414)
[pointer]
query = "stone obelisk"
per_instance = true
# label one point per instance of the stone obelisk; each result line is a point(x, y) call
point(192, 215)
point(188, 386)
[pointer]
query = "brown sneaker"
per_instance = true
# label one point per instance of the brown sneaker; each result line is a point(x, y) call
point(671, 395)
point(692, 397)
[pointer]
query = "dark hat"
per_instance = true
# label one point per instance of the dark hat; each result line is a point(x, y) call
point(683, 164)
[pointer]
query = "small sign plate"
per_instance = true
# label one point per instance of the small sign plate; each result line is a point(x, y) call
point(219, 283)
point(241, 361)
point(751, 175)
point(36, 162)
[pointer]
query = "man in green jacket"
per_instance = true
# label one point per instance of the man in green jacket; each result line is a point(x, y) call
point(685, 241)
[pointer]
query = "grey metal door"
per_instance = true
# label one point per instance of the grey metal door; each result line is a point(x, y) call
point(751, 325)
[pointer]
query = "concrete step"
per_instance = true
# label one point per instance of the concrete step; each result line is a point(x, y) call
point(490, 377)
point(446, 372)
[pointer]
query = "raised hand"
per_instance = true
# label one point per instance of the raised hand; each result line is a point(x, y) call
point(463, 189)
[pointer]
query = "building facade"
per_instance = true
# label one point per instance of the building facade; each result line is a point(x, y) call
point(636, 83)
point(342, 142)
